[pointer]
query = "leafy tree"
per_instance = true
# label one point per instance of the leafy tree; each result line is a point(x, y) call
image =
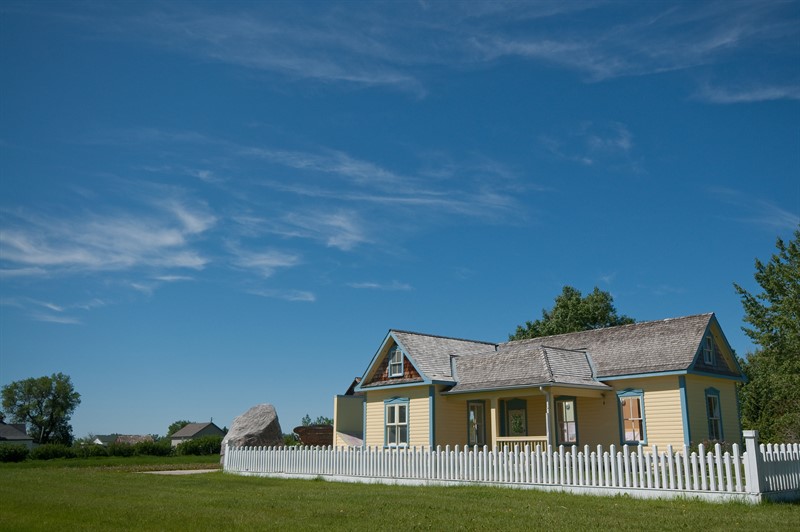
point(176, 426)
point(321, 420)
point(770, 399)
point(571, 313)
point(45, 404)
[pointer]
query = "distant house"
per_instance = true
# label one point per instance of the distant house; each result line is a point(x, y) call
point(667, 382)
point(15, 434)
point(195, 430)
point(105, 440)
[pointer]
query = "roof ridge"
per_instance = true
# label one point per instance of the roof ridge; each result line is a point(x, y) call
point(628, 325)
point(442, 336)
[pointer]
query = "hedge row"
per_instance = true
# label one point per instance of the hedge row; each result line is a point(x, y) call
point(200, 446)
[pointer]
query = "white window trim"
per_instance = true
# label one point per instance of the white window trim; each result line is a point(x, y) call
point(393, 364)
point(623, 414)
point(395, 405)
point(708, 351)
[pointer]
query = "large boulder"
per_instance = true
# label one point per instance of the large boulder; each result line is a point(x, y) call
point(258, 427)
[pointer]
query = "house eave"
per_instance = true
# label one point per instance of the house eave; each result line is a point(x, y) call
point(599, 386)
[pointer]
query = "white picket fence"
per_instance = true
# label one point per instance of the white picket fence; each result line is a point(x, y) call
point(708, 473)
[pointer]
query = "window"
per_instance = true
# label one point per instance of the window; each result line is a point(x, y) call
point(395, 362)
point(632, 413)
point(708, 351)
point(476, 429)
point(714, 415)
point(516, 418)
point(566, 420)
point(397, 423)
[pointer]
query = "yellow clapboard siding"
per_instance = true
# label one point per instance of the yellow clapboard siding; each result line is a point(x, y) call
point(418, 415)
point(662, 409)
point(598, 420)
point(698, 416)
point(451, 420)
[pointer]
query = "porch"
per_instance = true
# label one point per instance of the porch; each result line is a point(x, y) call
point(529, 416)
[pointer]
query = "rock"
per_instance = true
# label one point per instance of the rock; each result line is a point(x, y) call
point(258, 427)
point(321, 435)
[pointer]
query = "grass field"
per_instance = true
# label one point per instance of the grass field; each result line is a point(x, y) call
point(113, 494)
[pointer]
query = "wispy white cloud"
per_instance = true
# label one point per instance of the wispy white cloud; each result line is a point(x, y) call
point(288, 295)
point(609, 145)
point(756, 211)
point(391, 286)
point(265, 262)
point(759, 93)
point(54, 318)
point(157, 238)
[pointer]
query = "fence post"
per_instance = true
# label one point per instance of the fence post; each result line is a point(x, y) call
point(754, 463)
point(225, 459)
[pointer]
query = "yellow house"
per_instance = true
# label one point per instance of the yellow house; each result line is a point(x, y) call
point(667, 382)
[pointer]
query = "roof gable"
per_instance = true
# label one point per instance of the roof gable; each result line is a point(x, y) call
point(9, 432)
point(192, 429)
point(428, 356)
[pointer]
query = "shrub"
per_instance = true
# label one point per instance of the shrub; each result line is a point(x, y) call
point(120, 449)
point(86, 451)
point(161, 447)
point(200, 446)
point(13, 453)
point(49, 451)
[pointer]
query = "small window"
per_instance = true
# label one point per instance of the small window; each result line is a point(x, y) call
point(632, 419)
point(397, 424)
point(708, 351)
point(567, 421)
point(714, 415)
point(395, 362)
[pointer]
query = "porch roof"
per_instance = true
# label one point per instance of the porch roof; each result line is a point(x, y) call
point(517, 365)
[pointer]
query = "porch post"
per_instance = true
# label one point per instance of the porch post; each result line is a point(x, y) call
point(494, 420)
point(547, 414)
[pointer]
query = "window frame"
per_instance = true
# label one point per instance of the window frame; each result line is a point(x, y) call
point(559, 422)
point(480, 431)
point(392, 372)
point(395, 405)
point(709, 355)
point(631, 394)
point(712, 395)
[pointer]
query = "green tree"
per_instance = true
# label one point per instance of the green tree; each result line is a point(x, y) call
point(770, 399)
point(176, 426)
point(571, 313)
point(45, 404)
point(321, 420)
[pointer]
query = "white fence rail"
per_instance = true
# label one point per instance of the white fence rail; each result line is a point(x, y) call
point(708, 473)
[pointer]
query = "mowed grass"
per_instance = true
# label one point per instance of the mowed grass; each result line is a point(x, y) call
point(100, 497)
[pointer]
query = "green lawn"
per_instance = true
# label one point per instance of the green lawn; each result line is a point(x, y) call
point(103, 496)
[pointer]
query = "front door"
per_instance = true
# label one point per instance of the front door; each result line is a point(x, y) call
point(475, 424)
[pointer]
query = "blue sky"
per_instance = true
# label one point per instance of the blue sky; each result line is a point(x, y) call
point(208, 206)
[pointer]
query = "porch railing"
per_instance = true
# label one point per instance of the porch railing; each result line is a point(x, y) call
point(521, 441)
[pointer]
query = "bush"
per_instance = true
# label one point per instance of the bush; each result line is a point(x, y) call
point(13, 453)
point(49, 451)
point(120, 449)
point(200, 446)
point(161, 447)
point(90, 450)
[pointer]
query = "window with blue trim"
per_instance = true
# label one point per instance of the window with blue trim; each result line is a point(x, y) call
point(709, 356)
point(714, 414)
point(396, 417)
point(631, 407)
point(395, 362)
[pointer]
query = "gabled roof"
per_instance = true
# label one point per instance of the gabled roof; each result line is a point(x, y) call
point(517, 365)
point(11, 432)
point(191, 429)
point(645, 347)
point(576, 359)
point(431, 354)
